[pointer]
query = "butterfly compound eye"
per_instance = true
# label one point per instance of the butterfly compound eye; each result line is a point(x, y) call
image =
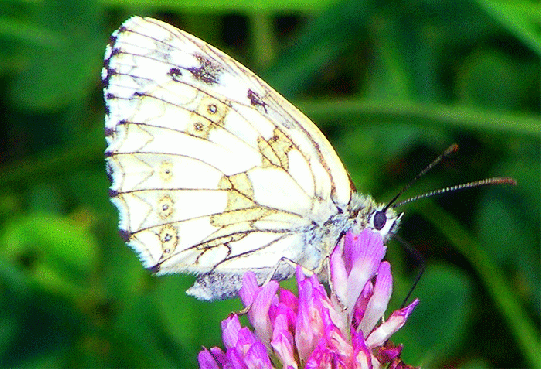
point(380, 218)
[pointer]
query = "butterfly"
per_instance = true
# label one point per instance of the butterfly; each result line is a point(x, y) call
point(213, 172)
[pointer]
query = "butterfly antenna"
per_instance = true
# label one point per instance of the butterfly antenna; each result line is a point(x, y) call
point(412, 250)
point(451, 149)
point(463, 186)
point(420, 260)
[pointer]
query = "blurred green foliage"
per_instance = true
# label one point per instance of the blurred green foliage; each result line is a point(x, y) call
point(391, 84)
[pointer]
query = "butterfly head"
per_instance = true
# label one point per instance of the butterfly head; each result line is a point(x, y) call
point(381, 218)
point(384, 220)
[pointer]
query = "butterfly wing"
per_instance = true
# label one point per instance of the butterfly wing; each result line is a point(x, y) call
point(213, 172)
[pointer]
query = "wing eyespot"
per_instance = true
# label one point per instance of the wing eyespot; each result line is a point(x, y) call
point(165, 171)
point(212, 109)
point(165, 207)
point(169, 238)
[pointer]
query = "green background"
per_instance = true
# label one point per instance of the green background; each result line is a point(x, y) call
point(391, 84)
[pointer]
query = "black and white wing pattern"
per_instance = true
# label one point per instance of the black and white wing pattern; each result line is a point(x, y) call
point(212, 171)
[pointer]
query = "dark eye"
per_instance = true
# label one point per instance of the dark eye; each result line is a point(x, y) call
point(380, 218)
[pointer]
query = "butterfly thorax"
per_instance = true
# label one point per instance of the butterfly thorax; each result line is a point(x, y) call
point(359, 214)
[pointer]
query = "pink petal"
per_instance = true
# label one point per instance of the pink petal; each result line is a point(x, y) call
point(282, 341)
point(339, 274)
point(249, 289)
point(259, 310)
point(380, 298)
point(390, 326)
point(309, 322)
point(366, 254)
point(235, 360)
point(219, 356)
point(206, 361)
point(230, 330)
point(257, 357)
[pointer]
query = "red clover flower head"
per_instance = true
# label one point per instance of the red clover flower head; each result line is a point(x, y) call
point(314, 330)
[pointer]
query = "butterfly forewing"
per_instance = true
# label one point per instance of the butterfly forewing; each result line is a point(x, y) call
point(212, 171)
